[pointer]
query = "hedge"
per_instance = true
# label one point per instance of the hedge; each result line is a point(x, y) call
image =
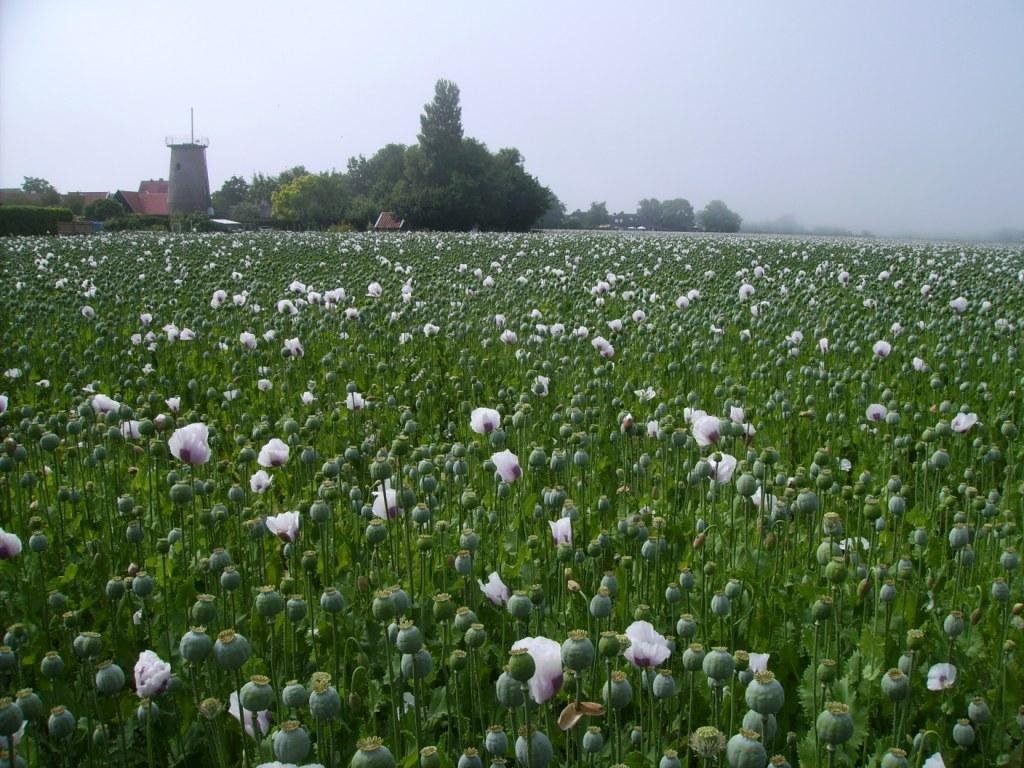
point(137, 221)
point(32, 219)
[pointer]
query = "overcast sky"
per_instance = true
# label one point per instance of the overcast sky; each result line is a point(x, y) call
point(894, 116)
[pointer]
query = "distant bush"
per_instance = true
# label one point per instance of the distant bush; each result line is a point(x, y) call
point(31, 220)
point(137, 221)
point(103, 209)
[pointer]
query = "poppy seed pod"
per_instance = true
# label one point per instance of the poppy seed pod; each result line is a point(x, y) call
point(409, 639)
point(593, 740)
point(470, 759)
point(718, 665)
point(664, 685)
point(331, 601)
point(519, 605)
point(383, 607)
point(536, 754)
point(617, 691)
point(52, 665)
point(60, 725)
point(895, 758)
point(578, 651)
point(475, 636)
point(11, 716)
point(496, 741)
point(371, 753)
point(765, 695)
point(87, 645)
point(744, 750)
point(324, 702)
point(196, 645)
point(835, 724)
point(608, 645)
point(963, 733)
point(291, 743)
point(231, 650)
point(109, 678)
point(509, 691)
point(269, 602)
point(257, 695)
point(601, 604)
point(294, 695)
point(464, 619)
point(896, 685)
point(978, 711)
point(417, 665)
point(521, 665)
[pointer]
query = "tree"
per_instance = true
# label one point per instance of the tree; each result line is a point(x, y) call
point(597, 216)
point(716, 217)
point(677, 215)
point(321, 199)
point(234, 191)
point(48, 194)
point(554, 216)
point(103, 209)
point(440, 135)
point(648, 213)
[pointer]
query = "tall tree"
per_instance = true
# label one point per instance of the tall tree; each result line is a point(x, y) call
point(48, 194)
point(597, 216)
point(717, 217)
point(440, 135)
point(677, 215)
point(648, 213)
point(234, 191)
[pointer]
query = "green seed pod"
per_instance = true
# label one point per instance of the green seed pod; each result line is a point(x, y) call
point(496, 741)
point(269, 602)
point(444, 608)
point(521, 665)
point(11, 716)
point(693, 657)
point(294, 695)
point(257, 695)
point(963, 733)
point(371, 753)
point(291, 743)
point(895, 685)
point(765, 695)
point(617, 691)
point(331, 601)
point(109, 678)
point(578, 651)
point(537, 754)
point(470, 758)
point(29, 703)
point(475, 636)
point(204, 610)
point(835, 724)
point(718, 665)
point(324, 701)
point(519, 605)
point(593, 741)
point(895, 758)
point(664, 685)
point(608, 645)
point(509, 691)
point(745, 750)
point(231, 650)
point(61, 723)
point(52, 665)
point(417, 665)
point(87, 645)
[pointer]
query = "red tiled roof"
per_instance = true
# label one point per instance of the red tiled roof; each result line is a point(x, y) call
point(154, 185)
point(149, 203)
point(387, 220)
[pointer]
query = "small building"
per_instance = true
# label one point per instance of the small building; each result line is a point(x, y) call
point(150, 200)
point(387, 222)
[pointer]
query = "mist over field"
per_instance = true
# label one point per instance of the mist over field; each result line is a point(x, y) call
point(897, 118)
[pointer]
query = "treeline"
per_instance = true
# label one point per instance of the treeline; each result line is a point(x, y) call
point(675, 215)
point(446, 181)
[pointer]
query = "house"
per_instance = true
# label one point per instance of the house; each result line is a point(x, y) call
point(151, 199)
point(387, 222)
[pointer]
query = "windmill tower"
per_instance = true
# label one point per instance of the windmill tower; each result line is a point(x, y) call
point(188, 181)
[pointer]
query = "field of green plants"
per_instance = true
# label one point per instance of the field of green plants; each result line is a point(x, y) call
point(454, 500)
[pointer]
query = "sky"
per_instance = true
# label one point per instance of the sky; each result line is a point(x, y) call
point(898, 117)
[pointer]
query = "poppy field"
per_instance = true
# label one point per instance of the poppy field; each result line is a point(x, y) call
point(554, 500)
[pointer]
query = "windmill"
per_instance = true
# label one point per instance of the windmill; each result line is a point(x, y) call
point(188, 180)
